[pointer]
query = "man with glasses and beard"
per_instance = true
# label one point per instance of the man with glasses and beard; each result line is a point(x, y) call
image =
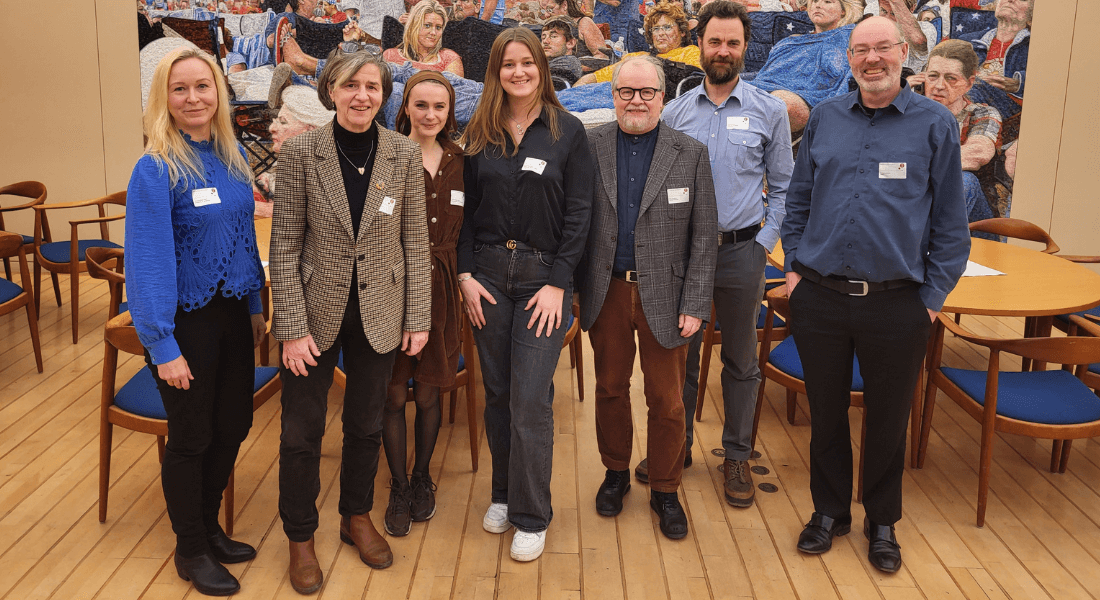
point(749, 138)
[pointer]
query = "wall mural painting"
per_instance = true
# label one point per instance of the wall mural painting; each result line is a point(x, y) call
point(969, 55)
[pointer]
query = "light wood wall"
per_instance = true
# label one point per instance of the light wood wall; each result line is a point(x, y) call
point(70, 113)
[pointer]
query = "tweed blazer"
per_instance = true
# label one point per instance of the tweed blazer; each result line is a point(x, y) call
point(675, 245)
point(313, 250)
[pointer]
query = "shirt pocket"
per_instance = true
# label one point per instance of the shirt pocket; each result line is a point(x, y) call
point(748, 149)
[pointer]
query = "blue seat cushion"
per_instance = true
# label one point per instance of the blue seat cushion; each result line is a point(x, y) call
point(123, 307)
point(8, 290)
point(141, 397)
point(771, 272)
point(1094, 367)
point(785, 358)
point(1050, 397)
point(58, 252)
point(27, 239)
point(1095, 311)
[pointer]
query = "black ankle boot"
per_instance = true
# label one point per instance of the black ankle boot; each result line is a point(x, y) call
point(207, 575)
point(227, 551)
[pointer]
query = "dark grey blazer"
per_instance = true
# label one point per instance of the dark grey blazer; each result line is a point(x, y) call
point(676, 245)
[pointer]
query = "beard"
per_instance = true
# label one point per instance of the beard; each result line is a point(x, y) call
point(722, 71)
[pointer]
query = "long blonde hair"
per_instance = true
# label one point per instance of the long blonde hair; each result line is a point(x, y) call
point(417, 16)
point(489, 125)
point(164, 141)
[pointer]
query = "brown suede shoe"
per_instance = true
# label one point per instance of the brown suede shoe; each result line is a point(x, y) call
point(305, 571)
point(359, 531)
point(738, 485)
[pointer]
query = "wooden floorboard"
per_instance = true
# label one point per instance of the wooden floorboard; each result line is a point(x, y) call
point(1041, 538)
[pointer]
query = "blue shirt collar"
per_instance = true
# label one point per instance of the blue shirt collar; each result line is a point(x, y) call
point(900, 102)
point(738, 92)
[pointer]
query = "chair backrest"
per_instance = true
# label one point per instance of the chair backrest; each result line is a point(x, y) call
point(121, 334)
point(108, 264)
point(25, 189)
point(1058, 350)
point(1018, 229)
point(779, 301)
point(10, 244)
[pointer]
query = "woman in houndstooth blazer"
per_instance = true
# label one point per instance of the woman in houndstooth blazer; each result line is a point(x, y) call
point(350, 279)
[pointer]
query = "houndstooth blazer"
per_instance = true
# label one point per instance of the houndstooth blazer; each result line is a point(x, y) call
point(312, 250)
point(676, 245)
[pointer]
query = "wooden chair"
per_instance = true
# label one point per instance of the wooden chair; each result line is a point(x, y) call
point(137, 406)
point(108, 264)
point(1043, 404)
point(576, 348)
point(1017, 229)
point(37, 192)
point(14, 297)
point(68, 257)
point(712, 335)
point(1062, 321)
point(465, 379)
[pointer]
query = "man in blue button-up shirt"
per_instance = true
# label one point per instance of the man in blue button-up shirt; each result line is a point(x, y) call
point(875, 238)
point(748, 136)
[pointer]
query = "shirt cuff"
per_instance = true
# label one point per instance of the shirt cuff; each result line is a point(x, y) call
point(932, 298)
point(255, 305)
point(767, 238)
point(165, 350)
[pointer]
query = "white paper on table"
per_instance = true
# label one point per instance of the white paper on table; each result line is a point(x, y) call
point(973, 269)
point(264, 263)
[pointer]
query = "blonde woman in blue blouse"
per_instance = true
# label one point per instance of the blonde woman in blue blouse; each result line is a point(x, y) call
point(194, 279)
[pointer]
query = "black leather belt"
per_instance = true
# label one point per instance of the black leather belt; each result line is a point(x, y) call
point(628, 276)
point(851, 287)
point(741, 235)
point(514, 245)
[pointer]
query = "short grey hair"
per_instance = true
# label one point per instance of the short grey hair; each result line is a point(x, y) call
point(653, 62)
point(342, 66)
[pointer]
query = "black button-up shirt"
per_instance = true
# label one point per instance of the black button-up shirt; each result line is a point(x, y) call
point(507, 198)
point(633, 157)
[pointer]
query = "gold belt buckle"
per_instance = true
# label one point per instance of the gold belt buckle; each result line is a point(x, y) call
point(510, 244)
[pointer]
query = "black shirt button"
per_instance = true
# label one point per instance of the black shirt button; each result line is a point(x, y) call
point(362, 286)
point(861, 170)
point(362, 257)
point(868, 146)
point(857, 195)
point(852, 221)
point(849, 245)
point(847, 268)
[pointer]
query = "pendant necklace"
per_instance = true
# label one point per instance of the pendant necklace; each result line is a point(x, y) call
point(519, 124)
point(362, 168)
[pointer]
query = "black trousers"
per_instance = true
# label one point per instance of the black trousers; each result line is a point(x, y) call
point(888, 332)
point(305, 402)
point(208, 422)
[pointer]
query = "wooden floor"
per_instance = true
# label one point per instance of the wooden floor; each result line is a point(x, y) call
point(1042, 538)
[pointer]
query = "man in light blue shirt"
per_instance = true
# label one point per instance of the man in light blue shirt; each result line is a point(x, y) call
point(749, 138)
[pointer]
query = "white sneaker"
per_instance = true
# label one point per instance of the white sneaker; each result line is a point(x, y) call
point(528, 546)
point(496, 518)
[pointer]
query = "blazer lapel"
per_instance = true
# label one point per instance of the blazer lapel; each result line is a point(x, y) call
point(608, 161)
point(665, 154)
point(379, 178)
point(328, 171)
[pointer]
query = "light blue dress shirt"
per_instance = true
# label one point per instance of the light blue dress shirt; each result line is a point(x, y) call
point(742, 154)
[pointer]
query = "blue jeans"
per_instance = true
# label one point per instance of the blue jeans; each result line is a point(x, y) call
point(517, 370)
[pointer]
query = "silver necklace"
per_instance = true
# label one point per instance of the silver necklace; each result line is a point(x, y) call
point(519, 124)
point(362, 168)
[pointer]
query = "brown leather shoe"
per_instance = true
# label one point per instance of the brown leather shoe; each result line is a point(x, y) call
point(738, 485)
point(305, 571)
point(359, 531)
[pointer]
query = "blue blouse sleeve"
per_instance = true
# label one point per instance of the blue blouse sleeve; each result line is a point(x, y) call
point(151, 259)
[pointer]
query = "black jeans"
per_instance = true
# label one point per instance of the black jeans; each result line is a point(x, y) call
point(517, 370)
point(208, 422)
point(888, 332)
point(305, 402)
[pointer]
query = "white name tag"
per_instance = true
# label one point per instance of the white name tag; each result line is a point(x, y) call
point(891, 170)
point(458, 198)
point(677, 195)
point(737, 122)
point(387, 205)
point(205, 196)
point(534, 164)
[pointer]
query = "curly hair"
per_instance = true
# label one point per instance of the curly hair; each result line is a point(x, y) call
point(674, 12)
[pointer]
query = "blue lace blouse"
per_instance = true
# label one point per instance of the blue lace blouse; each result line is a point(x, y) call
point(210, 245)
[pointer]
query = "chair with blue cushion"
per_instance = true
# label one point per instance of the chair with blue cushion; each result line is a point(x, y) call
point(14, 297)
point(108, 264)
point(68, 256)
point(576, 348)
point(712, 335)
point(37, 193)
point(1054, 405)
point(137, 405)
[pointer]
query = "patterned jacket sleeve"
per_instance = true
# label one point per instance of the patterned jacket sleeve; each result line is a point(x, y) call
point(287, 235)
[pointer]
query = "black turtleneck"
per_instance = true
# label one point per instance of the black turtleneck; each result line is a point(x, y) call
point(355, 149)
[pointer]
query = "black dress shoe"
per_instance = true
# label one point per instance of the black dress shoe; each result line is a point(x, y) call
point(673, 521)
point(227, 551)
point(207, 575)
point(609, 498)
point(884, 551)
point(818, 535)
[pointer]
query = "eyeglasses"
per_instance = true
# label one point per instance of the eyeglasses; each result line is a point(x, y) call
point(351, 47)
point(627, 94)
point(663, 28)
point(881, 49)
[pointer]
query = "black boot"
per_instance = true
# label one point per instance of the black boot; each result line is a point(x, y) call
point(207, 575)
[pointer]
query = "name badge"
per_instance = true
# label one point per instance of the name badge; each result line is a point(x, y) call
point(458, 198)
point(891, 170)
point(205, 196)
point(387, 205)
point(677, 195)
point(534, 164)
point(737, 122)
